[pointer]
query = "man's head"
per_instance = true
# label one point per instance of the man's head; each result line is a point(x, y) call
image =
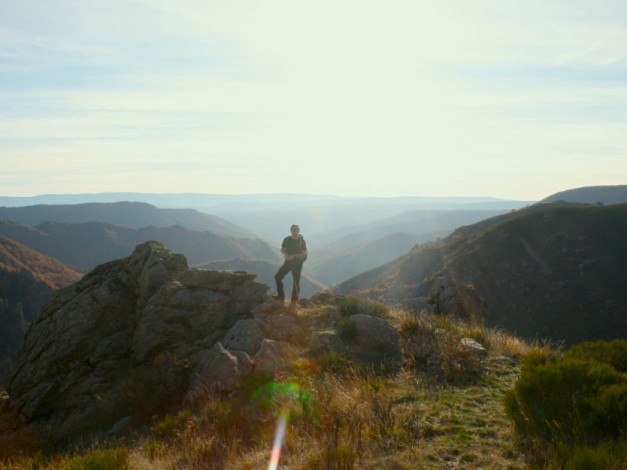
point(295, 229)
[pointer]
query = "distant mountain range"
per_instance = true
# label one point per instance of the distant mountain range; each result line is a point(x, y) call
point(269, 216)
point(126, 214)
point(114, 229)
point(86, 245)
point(550, 270)
point(344, 252)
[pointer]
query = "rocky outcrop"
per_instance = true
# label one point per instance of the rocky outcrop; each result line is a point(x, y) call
point(452, 297)
point(138, 336)
point(128, 337)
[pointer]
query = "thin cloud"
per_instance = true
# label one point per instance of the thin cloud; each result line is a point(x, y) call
point(423, 98)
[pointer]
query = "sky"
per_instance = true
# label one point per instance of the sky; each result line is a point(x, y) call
point(509, 99)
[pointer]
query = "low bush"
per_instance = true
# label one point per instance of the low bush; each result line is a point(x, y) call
point(154, 448)
point(430, 348)
point(608, 456)
point(354, 305)
point(170, 425)
point(574, 400)
point(109, 459)
point(613, 353)
point(346, 329)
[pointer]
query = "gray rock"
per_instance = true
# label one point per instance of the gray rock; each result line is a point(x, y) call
point(219, 370)
point(323, 342)
point(219, 281)
point(283, 327)
point(272, 356)
point(127, 339)
point(376, 339)
point(469, 344)
point(452, 297)
point(121, 427)
point(246, 335)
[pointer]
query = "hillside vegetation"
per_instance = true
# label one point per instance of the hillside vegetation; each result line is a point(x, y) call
point(443, 408)
point(15, 257)
point(446, 408)
point(27, 280)
point(551, 270)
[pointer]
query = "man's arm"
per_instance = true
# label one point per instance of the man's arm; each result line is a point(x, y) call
point(284, 251)
point(303, 251)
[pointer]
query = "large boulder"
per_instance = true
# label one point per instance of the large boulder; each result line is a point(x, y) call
point(452, 297)
point(125, 340)
point(246, 335)
point(375, 339)
point(219, 370)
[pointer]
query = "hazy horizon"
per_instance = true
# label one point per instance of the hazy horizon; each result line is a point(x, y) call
point(114, 194)
point(484, 98)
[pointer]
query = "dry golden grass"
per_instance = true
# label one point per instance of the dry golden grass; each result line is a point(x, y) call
point(342, 417)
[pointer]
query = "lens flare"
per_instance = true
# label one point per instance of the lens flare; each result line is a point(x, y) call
point(287, 398)
point(279, 437)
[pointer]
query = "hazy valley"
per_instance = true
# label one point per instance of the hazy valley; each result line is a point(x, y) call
point(186, 319)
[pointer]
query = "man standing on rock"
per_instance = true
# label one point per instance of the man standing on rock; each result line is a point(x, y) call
point(294, 249)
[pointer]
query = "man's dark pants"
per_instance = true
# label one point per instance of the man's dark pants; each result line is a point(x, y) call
point(295, 266)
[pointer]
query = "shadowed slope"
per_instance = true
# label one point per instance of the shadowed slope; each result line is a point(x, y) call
point(554, 270)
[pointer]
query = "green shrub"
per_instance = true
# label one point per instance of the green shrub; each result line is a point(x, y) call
point(154, 449)
point(354, 305)
point(347, 329)
point(170, 425)
point(575, 400)
point(608, 456)
point(109, 459)
point(252, 382)
point(613, 353)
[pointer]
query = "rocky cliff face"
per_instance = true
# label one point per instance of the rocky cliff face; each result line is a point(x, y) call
point(27, 280)
point(98, 341)
point(141, 334)
point(21, 297)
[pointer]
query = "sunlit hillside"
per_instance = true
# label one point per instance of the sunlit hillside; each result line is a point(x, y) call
point(551, 270)
point(27, 280)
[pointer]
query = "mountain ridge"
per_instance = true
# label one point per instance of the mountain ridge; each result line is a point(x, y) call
point(591, 195)
point(86, 245)
point(550, 271)
point(122, 213)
